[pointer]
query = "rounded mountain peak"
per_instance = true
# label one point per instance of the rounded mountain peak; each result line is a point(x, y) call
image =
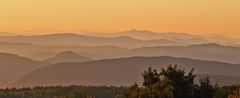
point(67, 56)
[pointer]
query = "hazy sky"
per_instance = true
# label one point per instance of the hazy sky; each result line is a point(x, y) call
point(192, 16)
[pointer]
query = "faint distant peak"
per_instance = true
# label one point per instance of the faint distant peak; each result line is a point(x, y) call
point(166, 34)
point(137, 31)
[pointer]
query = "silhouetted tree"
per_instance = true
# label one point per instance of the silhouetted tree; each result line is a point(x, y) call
point(205, 89)
point(174, 82)
point(150, 77)
point(183, 84)
point(171, 82)
point(161, 89)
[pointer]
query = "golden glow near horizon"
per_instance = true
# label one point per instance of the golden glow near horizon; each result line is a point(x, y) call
point(192, 16)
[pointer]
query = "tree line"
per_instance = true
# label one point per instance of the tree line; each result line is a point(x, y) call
point(64, 92)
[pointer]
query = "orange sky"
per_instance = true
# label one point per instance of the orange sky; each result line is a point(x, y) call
point(192, 16)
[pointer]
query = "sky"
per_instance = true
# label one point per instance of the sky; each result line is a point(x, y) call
point(201, 17)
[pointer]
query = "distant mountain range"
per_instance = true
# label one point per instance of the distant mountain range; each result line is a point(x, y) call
point(127, 39)
point(214, 52)
point(69, 39)
point(182, 38)
point(121, 71)
point(131, 38)
point(108, 45)
point(39, 52)
point(146, 35)
point(112, 58)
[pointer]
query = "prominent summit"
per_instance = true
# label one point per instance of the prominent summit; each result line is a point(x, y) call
point(67, 56)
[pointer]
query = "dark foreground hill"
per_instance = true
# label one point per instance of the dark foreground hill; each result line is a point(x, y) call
point(121, 71)
point(12, 67)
